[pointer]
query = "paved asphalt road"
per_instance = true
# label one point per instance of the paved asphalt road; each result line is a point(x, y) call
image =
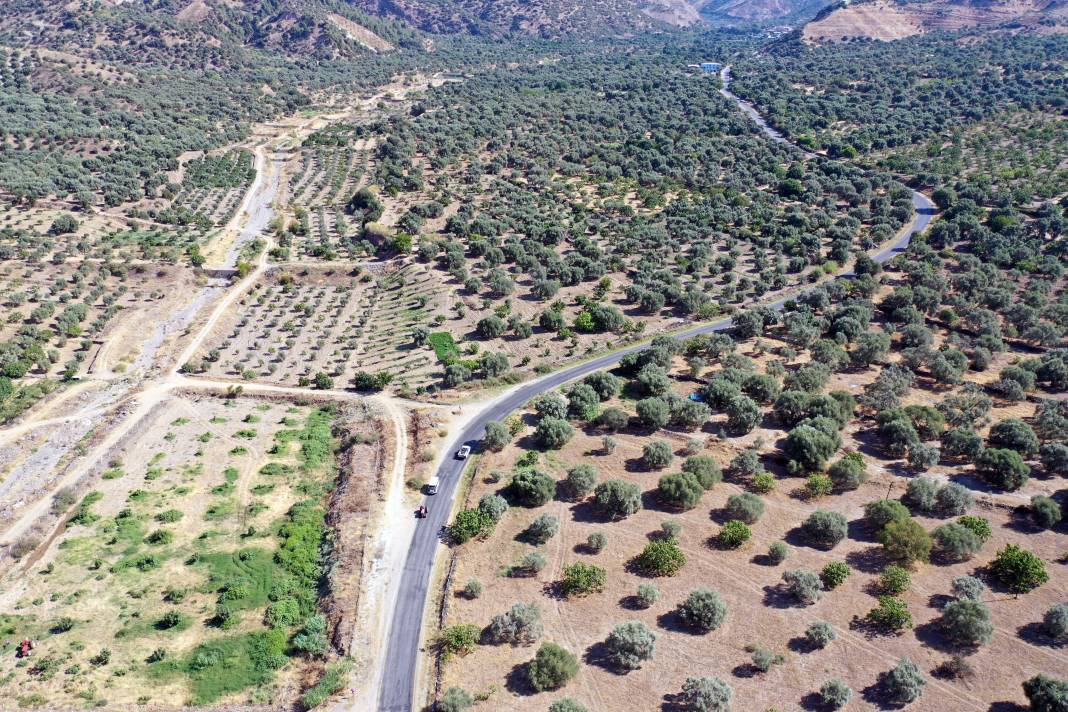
point(398, 677)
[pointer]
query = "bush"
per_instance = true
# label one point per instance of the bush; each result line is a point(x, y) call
point(745, 507)
point(648, 594)
point(968, 587)
point(763, 482)
point(894, 580)
point(596, 542)
point(850, 472)
point(1054, 458)
point(1045, 512)
point(497, 436)
point(1055, 621)
point(825, 529)
point(580, 481)
point(553, 433)
point(891, 614)
point(661, 557)
point(531, 488)
point(905, 542)
point(1018, 569)
point(567, 705)
point(473, 588)
point(1013, 434)
point(681, 491)
point(1002, 468)
point(455, 699)
point(582, 579)
point(834, 574)
point(904, 683)
point(881, 512)
point(978, 526)
point(493, 506)
point(617, 499)
point(531, 563)
point(804, 586)
point(955, 542)
point(967, 623)
point(671, 528)
point(1046, 694)
point(835, 694)
point(706, 694)
point(733, 534)
point(468, 524)
point(519, 625)
point(953, 500)
point(542, 529)
point(457, 640)
point(820, 634)
point(613, 419)
point(808, 448)
point(818, 486)
point(920, 494)
point(657, 455)
point(704, 468)
point(553, 667)
point(703, 610)
point(630, 644)
point(653, 413)
point(778, 551)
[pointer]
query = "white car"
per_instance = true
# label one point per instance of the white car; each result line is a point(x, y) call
point(463, 452)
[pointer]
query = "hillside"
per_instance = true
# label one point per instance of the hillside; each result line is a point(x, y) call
point(889, 20)
point(733, 12)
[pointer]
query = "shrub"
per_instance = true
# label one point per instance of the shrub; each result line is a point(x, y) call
point(905, 541)
point(733, 534)
point(1045, 512)
point(497, 436)
point(457, 640)
point(955, 542)
point(567, 705)
point(706, 694)
point(1002, 468)
point(580, 481)
point(904, 683)
point(671, 528)
point(881, 512)
point(804, 586)
point(778, 551)
point(531, 488)
point(835, 694)
point(657, 455)
point(455, 699)
point(661, 557)
point(681, 491)
point(704, 468)
point(1046, 694)
point(920, 494)
point(922, 457)
point(1055, 621)
point(703, 610)
point(763, 482)
point(648, 594)
point(1054, 458)
point(894, 580)
point(617, 498)
point(1018, 569)
point(818, 486)
point(967, 622)
point(582, 579)
point(468, 524)
point(531, 563)
point(613, 419)
point(834, 574)
point(850, 472)
point(542, 529)
point(808, 448)
point(825, 529)
point(596, 542)
point(953, 500)
point(653, 413)
point(520, 624)
point(968, 587)
point(493, 506)
point(820, 634)
point(553, 433)
point(962, 443)
point(1013, 434)
point(630, 644)
point(473, 588)
point(891, 614)
point(978, 526)
point(553, 667)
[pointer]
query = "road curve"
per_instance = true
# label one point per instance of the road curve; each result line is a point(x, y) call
point(402, 654)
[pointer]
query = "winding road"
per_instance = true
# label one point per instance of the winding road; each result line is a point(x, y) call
point(403, 655)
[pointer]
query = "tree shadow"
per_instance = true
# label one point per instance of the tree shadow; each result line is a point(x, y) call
point(745, 670)
point(631, 603)
point(598, 656)
point(860, 530)
point(672, 621)
point(931, 635)
point(800, 644)
point(1035, 634)
point(763, 560)
point(778, 597)
point(938, 601)
point(1006, 707)
point(870, 560)
point(813, 702)
point(1020, 521)
point(586, 511)
point(517, 681)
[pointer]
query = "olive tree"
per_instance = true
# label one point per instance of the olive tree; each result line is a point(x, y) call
point(629, 645)
point(703, 610)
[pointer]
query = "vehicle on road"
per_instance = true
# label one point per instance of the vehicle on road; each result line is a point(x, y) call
point(432, 485)
point(463, 452)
